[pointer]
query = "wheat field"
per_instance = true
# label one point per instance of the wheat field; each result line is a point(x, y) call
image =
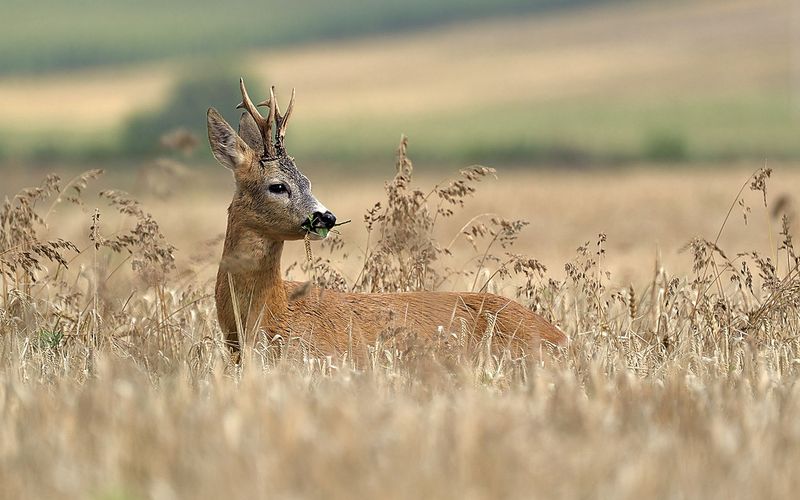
point(679, 381)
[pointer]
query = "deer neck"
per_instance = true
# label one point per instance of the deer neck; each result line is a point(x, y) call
point(249, 280)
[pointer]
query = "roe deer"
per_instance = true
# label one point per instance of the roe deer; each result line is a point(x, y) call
point(272, 204)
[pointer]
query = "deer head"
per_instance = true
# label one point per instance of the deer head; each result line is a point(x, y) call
point(272, 196)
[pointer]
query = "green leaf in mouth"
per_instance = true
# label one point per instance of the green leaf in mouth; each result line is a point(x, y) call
point(320, 230)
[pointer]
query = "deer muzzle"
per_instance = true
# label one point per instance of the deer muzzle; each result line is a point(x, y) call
point(320, 223)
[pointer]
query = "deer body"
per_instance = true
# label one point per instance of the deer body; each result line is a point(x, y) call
point(272, 204)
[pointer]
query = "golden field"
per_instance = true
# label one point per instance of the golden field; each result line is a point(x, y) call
point(647, 213)
point(672, 270)
point(668, 388)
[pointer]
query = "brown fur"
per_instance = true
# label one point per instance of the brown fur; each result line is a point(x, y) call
point(335, 322)
point(331, 322)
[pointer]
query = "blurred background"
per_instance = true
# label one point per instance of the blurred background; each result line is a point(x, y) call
point(554, 93)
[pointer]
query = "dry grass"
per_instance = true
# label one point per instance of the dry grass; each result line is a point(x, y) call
point(113, 383)
point(645, 212)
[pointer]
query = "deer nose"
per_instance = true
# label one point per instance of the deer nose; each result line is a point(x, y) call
point(327, 219)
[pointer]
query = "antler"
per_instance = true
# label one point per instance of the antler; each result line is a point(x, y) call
point(264, 124)
point(280, 120)
point(284, 119)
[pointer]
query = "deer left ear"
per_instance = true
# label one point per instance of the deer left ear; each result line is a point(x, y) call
point(228, 148)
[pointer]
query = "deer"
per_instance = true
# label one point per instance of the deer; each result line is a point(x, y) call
point(273, 204)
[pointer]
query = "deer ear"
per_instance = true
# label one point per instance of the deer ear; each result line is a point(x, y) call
point(248, 131)
point(229, 149)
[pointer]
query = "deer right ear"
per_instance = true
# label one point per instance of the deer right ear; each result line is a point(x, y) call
point(248, 131)
point(228, 148)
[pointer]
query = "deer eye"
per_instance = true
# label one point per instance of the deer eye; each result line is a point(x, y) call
point(278, 188)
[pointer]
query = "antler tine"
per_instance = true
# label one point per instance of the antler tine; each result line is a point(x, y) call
point(285, 119)
point(273, 108)
point(280, 120)
point(247, 104)
point(272, 102)
point(264, 124)
point(274, 99)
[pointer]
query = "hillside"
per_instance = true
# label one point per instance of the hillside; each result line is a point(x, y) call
point(707, 81)
point(48, 35)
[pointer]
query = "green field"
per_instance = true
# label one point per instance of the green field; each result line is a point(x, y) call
point(592, 131)
point(50, 35)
